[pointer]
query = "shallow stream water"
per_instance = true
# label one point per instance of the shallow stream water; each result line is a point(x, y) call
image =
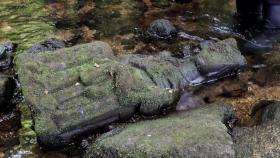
point(122, 25)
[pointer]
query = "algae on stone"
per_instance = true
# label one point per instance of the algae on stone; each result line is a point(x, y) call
point(196, 133)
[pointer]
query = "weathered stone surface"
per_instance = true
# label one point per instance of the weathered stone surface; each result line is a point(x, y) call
point(197, 133)
point(221, 58)
point(73, 91)
point(262, 140)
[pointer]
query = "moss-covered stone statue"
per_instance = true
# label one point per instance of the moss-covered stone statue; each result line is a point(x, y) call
point(73, 91)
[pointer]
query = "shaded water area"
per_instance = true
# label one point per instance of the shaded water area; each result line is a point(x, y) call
point(122, 23)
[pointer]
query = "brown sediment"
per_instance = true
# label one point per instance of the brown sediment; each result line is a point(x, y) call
point(248, 98)
point(245, 105)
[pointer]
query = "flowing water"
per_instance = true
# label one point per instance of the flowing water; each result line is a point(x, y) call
point(122, 24)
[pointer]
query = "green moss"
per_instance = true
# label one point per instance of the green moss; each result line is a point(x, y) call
point(27, 135)
point(211, 57)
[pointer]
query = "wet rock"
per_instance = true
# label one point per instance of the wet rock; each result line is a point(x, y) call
point(165, 71)
point(196, 133)
point(262, 140)
point(47, 45)
point(221, 59)
point(189, 101)
point(6, 52)
point(161, 29)
point(190, 37)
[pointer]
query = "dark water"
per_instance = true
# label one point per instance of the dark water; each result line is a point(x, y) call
point(123, 25)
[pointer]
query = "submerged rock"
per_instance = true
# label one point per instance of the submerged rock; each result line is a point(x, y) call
point(262, 140)
point(73, 91)
point(47, 45)
point(161, 29)
point(112, 17)
point(161, 3)
point(197, 133)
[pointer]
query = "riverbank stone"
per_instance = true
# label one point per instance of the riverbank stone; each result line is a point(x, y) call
point(74, 91)
point(197, 133)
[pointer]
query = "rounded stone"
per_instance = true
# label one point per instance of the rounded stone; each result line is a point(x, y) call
point(161, 29)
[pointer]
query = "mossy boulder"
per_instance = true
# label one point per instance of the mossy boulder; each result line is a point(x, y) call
point(263, 139)
point(197, 133)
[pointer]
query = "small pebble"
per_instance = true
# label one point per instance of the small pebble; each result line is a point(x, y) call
point(96, 65)
point(46, 92)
